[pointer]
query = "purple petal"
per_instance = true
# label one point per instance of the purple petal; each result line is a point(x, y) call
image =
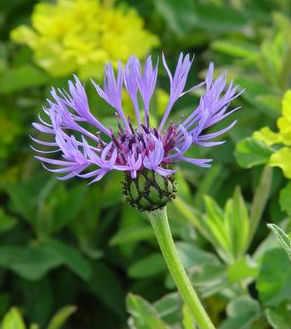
point(164, 172)
point(177, 83)
point(218, 133)
point(197, 162)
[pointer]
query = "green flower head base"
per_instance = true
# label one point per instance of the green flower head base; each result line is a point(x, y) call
point(149, 191)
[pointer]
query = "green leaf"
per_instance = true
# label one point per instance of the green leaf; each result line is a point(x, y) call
point(169, 308)
point(4, 304)
point(31, 262)
point(254, 88)
point(110, 195)
point(132, 234)
point(210, 279)
point(56, 206)
point(70, 257)
point(282, 237)
point(179, 16)
point(23, 202)
point(22, 77)
point(61, 317)
point(13, 320)
point(3, 56)
point(241, 49)
point(242, 312)
point(257, 93)
point(34, 326)
point(250, 152)
point(260, 199)
point(213, 211)
point(281, 158)
point(285, 199)
point(237, 223)
point(183, 188)
point(105, 284)
point(6, 222)
point(214, 220)
point(242, 269)
point(68, 207)
point(91, 252)
point(279, 318)
point(192, 256)
point(148, 266)
point(218, 19)
point(192, 215)
point(131, 219)
point(143, 315)
point(38, 299)
point(209, 183)
point(267, 104)
point(273, 282)
point(268, 243)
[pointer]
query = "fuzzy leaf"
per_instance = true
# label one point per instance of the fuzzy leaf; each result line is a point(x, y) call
point(169, 308)
point(243, 269)
point(282, 237)
point(242, 312)
point(143, 315)
point(148, 266)
point(279, 318)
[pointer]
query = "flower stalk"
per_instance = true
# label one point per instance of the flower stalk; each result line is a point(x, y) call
point(160, 225)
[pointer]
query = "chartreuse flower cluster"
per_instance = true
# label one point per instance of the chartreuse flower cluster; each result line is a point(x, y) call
point(282, 156)
point(80, 35)
point(146, 154)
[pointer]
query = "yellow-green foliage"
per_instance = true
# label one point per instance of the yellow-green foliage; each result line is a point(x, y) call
point(282, 157)
point(81, 35)
point(12, 130)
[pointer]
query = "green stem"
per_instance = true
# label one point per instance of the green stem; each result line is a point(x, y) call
point(259, 202)
point(160, 224)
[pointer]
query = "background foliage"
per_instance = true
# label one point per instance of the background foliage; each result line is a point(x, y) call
point(74, 256)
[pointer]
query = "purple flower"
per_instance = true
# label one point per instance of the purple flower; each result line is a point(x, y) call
point(88, 149)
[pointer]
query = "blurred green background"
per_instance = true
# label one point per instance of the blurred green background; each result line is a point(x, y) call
point(70, 253)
